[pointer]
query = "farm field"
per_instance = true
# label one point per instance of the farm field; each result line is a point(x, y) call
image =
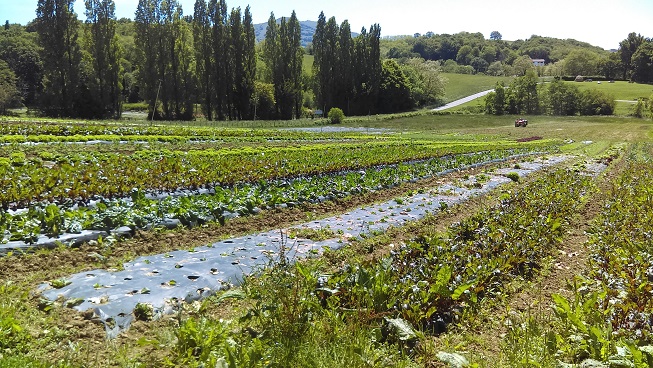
point(416, 241)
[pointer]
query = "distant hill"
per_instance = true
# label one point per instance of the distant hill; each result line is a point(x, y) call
point(308, 30)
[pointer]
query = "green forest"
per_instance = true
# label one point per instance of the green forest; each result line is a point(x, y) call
point(182, 65)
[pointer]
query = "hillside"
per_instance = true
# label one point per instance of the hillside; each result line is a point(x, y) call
point(308, 30)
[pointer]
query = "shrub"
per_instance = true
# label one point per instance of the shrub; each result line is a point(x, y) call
point(596, 102)
point(513, 176)
point(336, 116)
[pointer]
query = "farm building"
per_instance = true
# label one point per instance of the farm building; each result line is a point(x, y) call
point(538, 62)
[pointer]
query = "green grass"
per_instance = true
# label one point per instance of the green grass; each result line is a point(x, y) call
point(624, 93)
point(619, 89)
point(307, 65)
point(463, 85)
point(475, 127)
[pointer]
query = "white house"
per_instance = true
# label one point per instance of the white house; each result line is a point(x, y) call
point(538, 62)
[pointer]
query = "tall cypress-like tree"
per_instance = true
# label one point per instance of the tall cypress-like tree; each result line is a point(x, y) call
point(330, 63)
point(168, 64)
point(271, 51)
point(344, 85)
point(106, 53)
point(320, 70)
point(294, 59)
point(237, 101)
point(225, 59)
point(218, 15)
point(163, 39)
point(367, 70)
point(284, 55)
point(185, 95)
point(249, 64)
point(148, 35)
point(325, 48)
point(57, 27)
point(204, 63)
point(347, 71)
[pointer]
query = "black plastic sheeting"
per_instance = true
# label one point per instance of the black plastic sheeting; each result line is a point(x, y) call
point(163, 281)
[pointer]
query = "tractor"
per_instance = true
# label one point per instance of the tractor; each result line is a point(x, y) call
point(521, 122)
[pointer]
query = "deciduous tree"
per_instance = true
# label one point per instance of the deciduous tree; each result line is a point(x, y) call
point(204, 62)
point(627, 49)
point(394, 92)
point(284, 55)
point(9, 95)
point(105, 54)
point(21, 51)
point(642, 63)
point(495, 36)
point(57, 27)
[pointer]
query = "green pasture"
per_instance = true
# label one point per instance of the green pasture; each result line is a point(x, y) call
point(625, 95)
point(488, 127)
point(463, 85)
point(621, 90)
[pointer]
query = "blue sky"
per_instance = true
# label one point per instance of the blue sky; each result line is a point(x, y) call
point(602, 23)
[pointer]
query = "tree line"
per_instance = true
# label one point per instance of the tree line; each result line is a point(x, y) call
point(471, 53)
point(209, 64)
point(181, 65)
point(525, 95)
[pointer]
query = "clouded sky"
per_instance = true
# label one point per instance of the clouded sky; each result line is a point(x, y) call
point(601, 23)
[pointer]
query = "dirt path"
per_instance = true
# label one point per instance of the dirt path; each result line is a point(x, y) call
point(463, 100)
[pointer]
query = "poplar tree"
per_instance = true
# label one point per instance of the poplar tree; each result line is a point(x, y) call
point(284, 56)
point(343, 84)
point(243, 62)
point(147, 40)
point(249, 64)
point(218, 15)
point(167, 64)
point(367, 71)
point(163, 40)
point(320, 67)
point(347, 71)
point(106, 53)
point(237, 100)
point(204, 63)
point(57, 27)
point(325, 48)
point(271, 55)
point(183, 62)
point(294, 59)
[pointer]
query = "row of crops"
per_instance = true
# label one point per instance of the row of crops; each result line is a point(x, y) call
point(425, 286)
point(220, 203)
point(85, 176)
point(432, 280)
point(610, 316)
point(22, 132)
